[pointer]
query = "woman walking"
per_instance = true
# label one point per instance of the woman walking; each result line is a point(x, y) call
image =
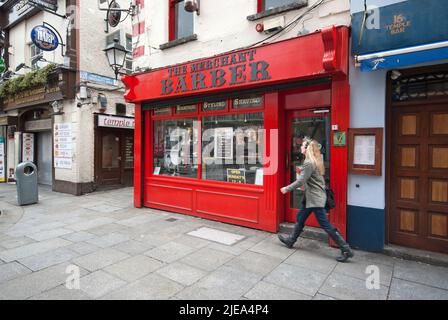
point(311, 177)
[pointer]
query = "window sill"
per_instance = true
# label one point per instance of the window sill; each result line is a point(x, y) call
point(178, 42)
point(293, 6)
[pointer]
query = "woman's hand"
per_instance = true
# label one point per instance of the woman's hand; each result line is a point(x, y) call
point(284, 190)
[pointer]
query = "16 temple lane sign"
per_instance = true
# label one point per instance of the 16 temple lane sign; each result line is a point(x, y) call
point(231, 69)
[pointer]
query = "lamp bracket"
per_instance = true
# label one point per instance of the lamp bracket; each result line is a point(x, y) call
point(113, 8)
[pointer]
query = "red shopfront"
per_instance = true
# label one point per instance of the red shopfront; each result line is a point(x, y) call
point(218, 137)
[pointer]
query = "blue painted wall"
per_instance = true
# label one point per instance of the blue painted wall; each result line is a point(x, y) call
point(366, 228)
point(399, 25)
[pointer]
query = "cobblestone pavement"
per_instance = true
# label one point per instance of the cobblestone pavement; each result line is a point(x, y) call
point(125, 253)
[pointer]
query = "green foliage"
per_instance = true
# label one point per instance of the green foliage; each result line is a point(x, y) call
point(27, 81)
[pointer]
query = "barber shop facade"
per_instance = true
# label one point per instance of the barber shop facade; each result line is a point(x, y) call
point(218, 137)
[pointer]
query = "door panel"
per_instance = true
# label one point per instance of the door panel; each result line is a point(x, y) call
point(44, 158)
point(419, 178)
point(301, 124)
point(110, 158)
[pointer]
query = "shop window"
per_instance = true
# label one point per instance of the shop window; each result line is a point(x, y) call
point(180, 21)
point(176, 147)
point(232, 148)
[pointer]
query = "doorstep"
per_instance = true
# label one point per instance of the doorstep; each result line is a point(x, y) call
point(428, 257)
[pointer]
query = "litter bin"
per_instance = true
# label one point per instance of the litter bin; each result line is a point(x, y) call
point(26, 178)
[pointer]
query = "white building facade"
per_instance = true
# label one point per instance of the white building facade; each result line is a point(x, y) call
point(76, 128)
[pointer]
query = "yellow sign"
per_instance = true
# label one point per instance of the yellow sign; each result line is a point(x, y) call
point(236, 175)
point(399, 24)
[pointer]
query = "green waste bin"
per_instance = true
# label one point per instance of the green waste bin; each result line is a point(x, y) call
point(26, 178)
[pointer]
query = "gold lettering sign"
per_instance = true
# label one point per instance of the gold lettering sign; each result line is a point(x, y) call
point(236, 175)
point(214, 106)
point(399, 25)
point(30, 96)
point(162, 111)
point(186, 109)
point(252, 102)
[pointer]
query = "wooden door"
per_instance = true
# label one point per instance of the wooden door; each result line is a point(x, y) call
point(301, 124)
point(110, 157)
point(418, 206)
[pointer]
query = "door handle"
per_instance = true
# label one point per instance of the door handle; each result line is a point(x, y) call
point(287, 160)
point(119, 158)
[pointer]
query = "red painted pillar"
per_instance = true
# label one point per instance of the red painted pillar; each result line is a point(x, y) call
point(340, 116)
point(273, 208)
point(138, 157)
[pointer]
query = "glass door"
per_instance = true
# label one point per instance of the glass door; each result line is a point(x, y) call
point(316, 125)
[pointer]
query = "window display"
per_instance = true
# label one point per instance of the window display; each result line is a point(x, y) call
point(176, 147)
point(232, 148)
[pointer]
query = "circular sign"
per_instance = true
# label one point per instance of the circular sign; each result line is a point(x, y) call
point(114, 17)
point(44, 38)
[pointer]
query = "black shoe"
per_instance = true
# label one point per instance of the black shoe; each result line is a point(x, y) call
point(346, 252)
point(286, 240)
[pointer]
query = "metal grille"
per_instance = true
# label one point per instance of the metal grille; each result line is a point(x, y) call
point(420, 87)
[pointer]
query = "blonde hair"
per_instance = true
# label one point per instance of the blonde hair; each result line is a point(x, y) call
point(313, 154)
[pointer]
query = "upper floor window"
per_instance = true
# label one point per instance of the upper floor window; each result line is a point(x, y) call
point(128, 62)
point(34, 52)
point(264, 5)
point(180, 21)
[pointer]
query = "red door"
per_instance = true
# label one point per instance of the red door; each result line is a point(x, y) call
point(315, 124)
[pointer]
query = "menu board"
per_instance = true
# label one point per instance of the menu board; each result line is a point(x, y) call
point(2, 160)
point(28, 147)
point(129, 152)
point(364, 150)
point(63, 148)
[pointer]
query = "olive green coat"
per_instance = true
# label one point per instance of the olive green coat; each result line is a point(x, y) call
point(315, 195)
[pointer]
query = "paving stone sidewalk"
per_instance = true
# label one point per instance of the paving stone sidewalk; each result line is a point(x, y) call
point(120, 252)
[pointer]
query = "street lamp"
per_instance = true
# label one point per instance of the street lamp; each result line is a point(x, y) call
point(116, 54)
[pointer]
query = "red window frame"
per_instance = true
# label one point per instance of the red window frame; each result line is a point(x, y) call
point(197, 115)
point(172, 19)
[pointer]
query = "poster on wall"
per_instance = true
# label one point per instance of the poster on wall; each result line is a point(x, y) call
point(63, 148)
point(2, 160)
point(28, 147)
